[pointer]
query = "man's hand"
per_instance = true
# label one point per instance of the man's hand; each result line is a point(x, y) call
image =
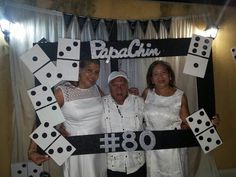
point(134, 91)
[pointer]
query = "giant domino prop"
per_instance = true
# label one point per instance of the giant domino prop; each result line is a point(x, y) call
point(198, 55)
point(43, 100)
point(26, 169)
point(67, 68)
point(233, 52)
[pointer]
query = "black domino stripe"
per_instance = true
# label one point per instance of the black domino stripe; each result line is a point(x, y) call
point(41, 67)
point(198, 56)
point(205, 130)
point(52, 142)
point(68, 59)
point(45, 106)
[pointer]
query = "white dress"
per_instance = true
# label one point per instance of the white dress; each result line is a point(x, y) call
point(162, 113)
point(83, 111)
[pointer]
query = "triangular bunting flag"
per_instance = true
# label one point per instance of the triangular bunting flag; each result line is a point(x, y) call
point(167, 24)
point(144, 24)
point(81, 20)
point(95, 23)
point(110, 24)
point(67, 19)
point(132, 25)
point(156, 24)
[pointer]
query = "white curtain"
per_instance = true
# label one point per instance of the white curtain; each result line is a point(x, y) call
point(32, 24)
point(181, 27)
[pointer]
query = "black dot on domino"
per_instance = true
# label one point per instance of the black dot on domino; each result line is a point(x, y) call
point(197, 38)
point(35, 136)
point(46, 124)
point(68, 148)
point(54, 108)
point(60, 150)
point(75, 43)
point(53, 134)
point(195, 44)
point(200, 138)
point(208, 123)
point(59, 75)
point(218, 142)
point(196, 130)
point(194, 50)
point(35, 170)
point(19, 172)
point(48, 75)
point(201, 113)
point(44, 88)
point(61, 53)
point(209, 140)
point(207, 41)
point(49, 98)
point(212, 131)
point(203, 53)
point(199, 121)
point(68, 48)
point(190, 119)
point(44, 135)
point(205, 47)
point(74, 65)
point(38, 103)
point(34, 58)
point(195, 65)
point(24, 165)
point(33, 93)
point(50, 151)
point(207, 148)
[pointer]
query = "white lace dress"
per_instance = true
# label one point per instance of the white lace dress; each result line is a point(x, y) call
point(162, 113)
point(83, 111)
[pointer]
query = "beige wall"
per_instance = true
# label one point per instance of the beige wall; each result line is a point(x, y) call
point(225, 89)
point(224, 66)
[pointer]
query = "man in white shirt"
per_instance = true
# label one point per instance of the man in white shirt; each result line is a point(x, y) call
point(123, 112)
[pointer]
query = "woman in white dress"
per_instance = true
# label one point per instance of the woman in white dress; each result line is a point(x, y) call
point(165, 108)
point(82, 108)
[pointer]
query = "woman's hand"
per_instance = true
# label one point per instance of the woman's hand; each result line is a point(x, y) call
point(34, 156)
point(216, 120)
point(38, 158)
point(184, 125)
